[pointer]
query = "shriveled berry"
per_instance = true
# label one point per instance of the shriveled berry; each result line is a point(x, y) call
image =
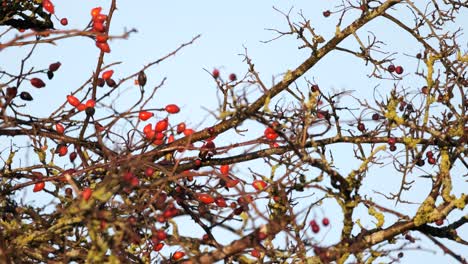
point(26, 96)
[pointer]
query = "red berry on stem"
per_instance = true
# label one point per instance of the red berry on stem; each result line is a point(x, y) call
point(205, 198)
point(107, 74)
point(259, 185)
point(62, 150)
point(38, 83)
point(224, 169)
point(81, 107)
point(178, 255)
point(158, 246)
point(73, 100)
point(149, 172)
point(48, 6)
point(145, 115)
point(39, 186)
point(215, 73)
point(54, 66)
point(172, 109)
point(188, 131)
point(90, 103)
point(181, 127)
point(326, 13)
point(73, 156)
point(399, 69)
point(220, 202)
point(325, 221)
point(86, 193)
point(361, 127)
point(96, 11)
point(391, 68)
point(64, 21)
point(59, 128)
point(103, 46)
point(161, 125)
point(232, 77)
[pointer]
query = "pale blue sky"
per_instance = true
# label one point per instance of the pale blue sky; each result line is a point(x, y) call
point(226, 28)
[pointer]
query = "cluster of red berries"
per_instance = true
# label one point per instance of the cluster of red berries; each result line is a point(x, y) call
point(100, 27)
point(232, 77)
point(88, 106)
point(397, 69)
point(315, 227)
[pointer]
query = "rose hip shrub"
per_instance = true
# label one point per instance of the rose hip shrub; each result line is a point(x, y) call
point(292, 171)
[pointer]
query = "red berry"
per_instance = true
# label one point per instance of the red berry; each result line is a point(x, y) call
point(99, 27)
point(326, 13)
point(392, 148)
point(73, 100)
point(161, 235)
point(259, 185)
point(224, 169)
point(391, 141)
point(232, 77)
point(38, 83)
point(64, 21)
point(59, 128)
point(102, 38)
point(101, 18)
point(399, 69)
point(325, 221)
point(48, 6)
point(178, 255)
point(149, 172)
point(255, 253)
point(439, 222)
point(39, 186)
point(231, 183)
point(315, 228)
point(90, 103)
point(215, 73)
point(81, 107)
point(158, 246)
point(391, 68)
point(86, 193)
point(375, 117)
point(429, 154)
point(73, 156)
point(172, 109)
point(107, 74)
point(205, 198)
point(161, 125)
point(181, 127)
point(431, 160)
point(54, 66)
point(220, 202)
point(96, 11)
point(145, 115)
point(103, 46)
point(62, 150)
point(188, 131)
point(361, 127)
point(170, 139)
